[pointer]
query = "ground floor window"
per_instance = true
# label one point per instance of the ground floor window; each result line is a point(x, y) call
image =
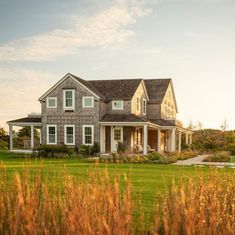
point(88, 134)
point(51, 134)
point(69, 134)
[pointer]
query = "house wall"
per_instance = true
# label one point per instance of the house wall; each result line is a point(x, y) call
point(168, 106)
point(126, 108)
point(153, 111)
point(141, 93)
point(80, 116)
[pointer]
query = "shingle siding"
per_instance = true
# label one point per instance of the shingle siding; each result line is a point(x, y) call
point(80, 116)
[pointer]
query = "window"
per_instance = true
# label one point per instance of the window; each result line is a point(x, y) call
point(117, 104)
point(51, 102)
point(69, 99)
point(137, 103)
point(144, 106)
point(88, 134)
point(51, 134)
point(69, 134)
point(88, 102)
point(117, 134)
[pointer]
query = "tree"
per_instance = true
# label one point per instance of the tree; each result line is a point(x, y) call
point(2, 132)
point(26, 131)
point(224, 125)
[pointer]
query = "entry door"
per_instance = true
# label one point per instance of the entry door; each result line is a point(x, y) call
point(116, 136)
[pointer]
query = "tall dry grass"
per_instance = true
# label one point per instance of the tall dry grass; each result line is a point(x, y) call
point(199, 206)
point(100, 206)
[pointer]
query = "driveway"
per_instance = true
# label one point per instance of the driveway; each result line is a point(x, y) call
point(191, 161)
point(199, 161)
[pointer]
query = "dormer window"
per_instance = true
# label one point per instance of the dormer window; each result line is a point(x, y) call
point(117, 104)
point(69, 99)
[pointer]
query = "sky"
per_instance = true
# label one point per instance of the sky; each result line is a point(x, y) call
point(190, 41)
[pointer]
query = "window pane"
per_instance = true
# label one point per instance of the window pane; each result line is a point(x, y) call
point(118, 104)
point(88, 131)
point(69, 103)
point(51, 102)
point(117, 135)
point(69, 139)
point(51, 130)
point(87, 102)
point(88, 139)
point(69, 130)
point(51, 138)
point(69, 94)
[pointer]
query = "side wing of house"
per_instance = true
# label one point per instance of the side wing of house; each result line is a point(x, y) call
point(70, 114)
point(168, 104)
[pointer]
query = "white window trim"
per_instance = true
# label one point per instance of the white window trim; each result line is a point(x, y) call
point(65, 134)
point(138, 110)
point(51, 98)
point(88, 97)
point(92, 134)
point(115, 108)
point(73, 98)
point(55, 134)
point(144, 106)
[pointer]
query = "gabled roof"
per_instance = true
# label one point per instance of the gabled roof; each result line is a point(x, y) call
point(117, 89)
point(81, 81)
point(156, 89)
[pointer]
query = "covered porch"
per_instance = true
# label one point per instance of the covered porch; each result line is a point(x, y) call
point(148, 135)
point(34, 122)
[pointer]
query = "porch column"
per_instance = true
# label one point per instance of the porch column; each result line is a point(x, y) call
point(179, 143)
point(102, 139)
point(145, 140)
point(172, 149)
point(159, 140)
point(11, 136)
point(186, 138)
point(32, 136)
point(190, 138)
point(40, 136)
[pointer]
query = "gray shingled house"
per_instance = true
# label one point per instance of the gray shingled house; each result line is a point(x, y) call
point(140, 113)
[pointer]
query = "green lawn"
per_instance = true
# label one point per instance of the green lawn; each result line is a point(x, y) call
point(232, 159)
point(148, 180)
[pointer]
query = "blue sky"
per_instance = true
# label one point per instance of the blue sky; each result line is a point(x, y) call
point(190, 41)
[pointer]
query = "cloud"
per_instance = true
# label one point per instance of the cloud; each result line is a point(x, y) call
point(20, 89)
point(106, 27)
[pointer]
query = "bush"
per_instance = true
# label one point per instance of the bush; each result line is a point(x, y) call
point(223, 156)
point(154, 156)
point(185, 154)
point(121, 149)
point(3, 145)
point(52, 151)
point(89, 150)
point(231, 148)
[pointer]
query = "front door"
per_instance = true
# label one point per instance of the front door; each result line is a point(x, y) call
point(116, 136)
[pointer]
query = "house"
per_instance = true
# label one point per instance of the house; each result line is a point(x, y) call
point(136, 112)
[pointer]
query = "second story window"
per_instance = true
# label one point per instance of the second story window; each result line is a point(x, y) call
point(137, 103)
point(87, 101)
point(69, 99)
point(144, 106)
point(51, 102)
point(117, 104)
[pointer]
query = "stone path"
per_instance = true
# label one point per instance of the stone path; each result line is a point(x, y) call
point(199, 162)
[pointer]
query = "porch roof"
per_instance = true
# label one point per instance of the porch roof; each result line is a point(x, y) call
point(26, 121)
point(123, 118)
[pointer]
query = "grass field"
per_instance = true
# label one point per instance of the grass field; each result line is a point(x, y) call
point(149, 181)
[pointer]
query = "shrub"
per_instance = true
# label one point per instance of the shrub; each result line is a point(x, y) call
point(89, 150)
point(154, 156)
point(121, 149)
point(3, 145)
point(222, 156)
point(231, 148)
point(52, 151)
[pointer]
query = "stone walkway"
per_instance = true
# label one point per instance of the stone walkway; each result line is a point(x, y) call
point(199, 162)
